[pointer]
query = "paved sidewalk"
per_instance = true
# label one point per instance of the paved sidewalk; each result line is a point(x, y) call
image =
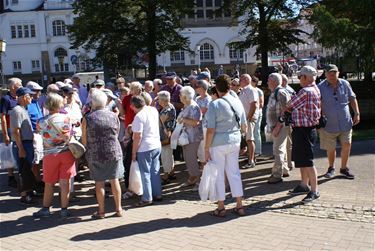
point(342, 219)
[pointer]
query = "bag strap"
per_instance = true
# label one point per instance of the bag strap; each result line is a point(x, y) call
point(234, 112)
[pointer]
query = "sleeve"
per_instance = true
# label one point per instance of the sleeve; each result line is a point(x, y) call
point(196, 113)
point(3, 105)
point(283, 96)
point(15, 121)
point(350, 91)
point(211, 116)
point(137, 125)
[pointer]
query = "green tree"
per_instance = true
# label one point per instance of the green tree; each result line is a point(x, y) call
point(118, 29)
point(270, 25)
point(348, 27)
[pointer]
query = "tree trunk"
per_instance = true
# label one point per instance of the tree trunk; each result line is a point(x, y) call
point(263, 36)
point(151, 43)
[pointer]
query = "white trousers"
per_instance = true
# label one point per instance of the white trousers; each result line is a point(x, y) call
point(225, 158)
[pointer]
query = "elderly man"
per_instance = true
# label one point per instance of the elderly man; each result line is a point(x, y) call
point(337, 94)
point(174, 89)
point(305, 114)
point(249, 98)
point(149, 87)
point(22, 133)
point(7, 103)
point(276, 104)
point(286, 85)
point(82, 90)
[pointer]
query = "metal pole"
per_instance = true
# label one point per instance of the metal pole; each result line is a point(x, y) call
point(2, 70)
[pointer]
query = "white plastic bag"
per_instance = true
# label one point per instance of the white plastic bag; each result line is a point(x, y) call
point(207, 186)
point(7, 159)
point(183, 139)
point(268, 133)
point(176, 135)
point(135, 180)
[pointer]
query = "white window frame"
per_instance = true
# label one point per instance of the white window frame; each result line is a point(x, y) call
point(35, 65)
point(58, 28)
point(178, 56)
point(207, 52)
point(17, 66)
point(233, 53)
point(22, 30)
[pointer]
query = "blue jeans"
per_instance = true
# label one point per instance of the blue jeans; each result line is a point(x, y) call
point(257, 136)
point(29, 149)
point(149, 167)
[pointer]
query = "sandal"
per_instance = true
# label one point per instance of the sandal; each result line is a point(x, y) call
point(144, 203)
point(172, 176)
point(218, 213)
point(118, 214)
point(240, 211)
point(98, 216)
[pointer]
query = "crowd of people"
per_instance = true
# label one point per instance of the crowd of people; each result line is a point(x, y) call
point(162, 120)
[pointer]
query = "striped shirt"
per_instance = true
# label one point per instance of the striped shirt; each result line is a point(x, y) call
point(305, 107)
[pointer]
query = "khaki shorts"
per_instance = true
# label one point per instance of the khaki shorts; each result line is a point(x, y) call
point(250, 130)
point(328, 140)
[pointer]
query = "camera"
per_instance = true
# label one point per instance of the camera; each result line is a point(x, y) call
point(286, 119)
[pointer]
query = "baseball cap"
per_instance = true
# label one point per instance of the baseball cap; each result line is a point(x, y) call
point(170, 75)
point(67, 89)
point(235, 81)
point(23, 91)
point(109, 93)
point(75, 76)
point(203, 83)
point(98, 82)
point(60, 84)
point(34, 86)
point(307, 71)
point(203, 75)
point(331, 67)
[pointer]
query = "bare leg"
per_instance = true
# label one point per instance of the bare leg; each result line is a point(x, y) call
point(345, 152)
point(36, 171)
point(116, 191)
point(304, 176)
point(239, 202)
point(331, 154)
point(312, 174)
point(251, 149)
point(100, 193)
point(48, 194)
point(65, 192)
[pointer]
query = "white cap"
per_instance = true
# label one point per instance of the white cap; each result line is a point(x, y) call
point(68, 81)
point(34, 86)
point(60, 84)
point(307, 71)
point(75, 76)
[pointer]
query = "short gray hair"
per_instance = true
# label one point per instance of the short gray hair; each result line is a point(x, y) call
point(135, 86)
point(158, 81)
point(164, 95)
point(53, 102)
point(277, 77)
point(98, 99)
point(149, 82)
point(14, 81)
point(147, 97)
point(138, 101)
point(188, 92)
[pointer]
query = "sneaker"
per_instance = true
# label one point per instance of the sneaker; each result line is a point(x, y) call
point(299, 190)
point(127, 195)
point(311, 196)
point(347, 173)
point(248, 165)
point(64, 213)
point(12, 181)
point(28, 199)
point(330, 173)
point(44, 212)
point(273, 180)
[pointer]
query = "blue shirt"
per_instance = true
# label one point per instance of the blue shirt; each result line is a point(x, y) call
point(35, 113)
point(335, 105)
point(220, 117)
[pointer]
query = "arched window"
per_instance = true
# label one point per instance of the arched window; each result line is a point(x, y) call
point(206, 52)
point(58, 27)
point(61, 54)
point(235, 54)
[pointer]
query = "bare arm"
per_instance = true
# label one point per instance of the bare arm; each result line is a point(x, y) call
point(261, 102)
point(253, 107)
point(17, 138)
point(84, 132)
point(209, 137)
point(190, 122)
point(355, 107)
point(4, 129)
point(137, 137)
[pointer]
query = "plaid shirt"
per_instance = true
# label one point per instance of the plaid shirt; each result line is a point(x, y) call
point(305, 107)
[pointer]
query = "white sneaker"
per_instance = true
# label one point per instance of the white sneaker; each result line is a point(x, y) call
point(127, 195)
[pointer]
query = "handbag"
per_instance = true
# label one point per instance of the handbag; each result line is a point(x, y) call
point(207, 186)
point(322, 122)
point(76, 148)
point(183, 139)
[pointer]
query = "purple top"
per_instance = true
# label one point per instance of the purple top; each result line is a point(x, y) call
point(175, 92)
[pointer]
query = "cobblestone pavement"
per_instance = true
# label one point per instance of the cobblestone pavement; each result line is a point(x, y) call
point(342, 219)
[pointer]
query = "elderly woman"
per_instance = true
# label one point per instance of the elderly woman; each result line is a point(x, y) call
point(146, 149)
point(58, 162)
point(100, 130)
point(225, 119)
point(167, 123)
point(191, 117)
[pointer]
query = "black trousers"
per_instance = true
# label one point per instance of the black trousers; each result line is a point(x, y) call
point(127, 161)
point(27, 177)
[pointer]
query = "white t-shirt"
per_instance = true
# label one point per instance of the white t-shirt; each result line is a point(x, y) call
point(146, 121)
point(248, 95)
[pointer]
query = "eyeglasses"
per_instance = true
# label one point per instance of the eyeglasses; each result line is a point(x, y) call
point(335, 95)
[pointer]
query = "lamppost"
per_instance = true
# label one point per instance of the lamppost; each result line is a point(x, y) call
point(198, 49)
point(2, 50)
point(78, 54)
point(246, 61)
point(164, 58)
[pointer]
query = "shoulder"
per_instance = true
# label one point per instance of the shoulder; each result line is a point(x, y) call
point(345, 83)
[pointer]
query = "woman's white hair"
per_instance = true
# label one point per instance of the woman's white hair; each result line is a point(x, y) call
point(164, 95)
point(187, 92)
point(277, 77)
point(98, 99)
point(135, 87)
point(53, 102)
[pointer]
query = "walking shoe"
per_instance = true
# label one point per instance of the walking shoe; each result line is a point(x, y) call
point(330, 173)
point(311, 196)
point(12, 181)
point(273, 180)
point(299, 190)
point(43, 212)
point(285, 175)
point(347, 173)
point(248, 165)
point(64, 213)
point(28, 199)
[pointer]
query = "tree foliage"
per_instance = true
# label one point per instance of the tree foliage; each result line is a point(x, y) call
point(349, 27)
point(118, 29)
point(270, 25)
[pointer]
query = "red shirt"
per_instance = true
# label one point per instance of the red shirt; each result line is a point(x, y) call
point(129, 113)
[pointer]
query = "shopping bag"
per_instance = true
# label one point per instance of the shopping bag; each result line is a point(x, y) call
point(207, 186)
point(176, 135)
point(7, 159)
point(268, 133)
point(135, 180)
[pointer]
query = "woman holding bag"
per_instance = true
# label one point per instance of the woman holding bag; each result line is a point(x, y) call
point(191, 117)
point(100, 130)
